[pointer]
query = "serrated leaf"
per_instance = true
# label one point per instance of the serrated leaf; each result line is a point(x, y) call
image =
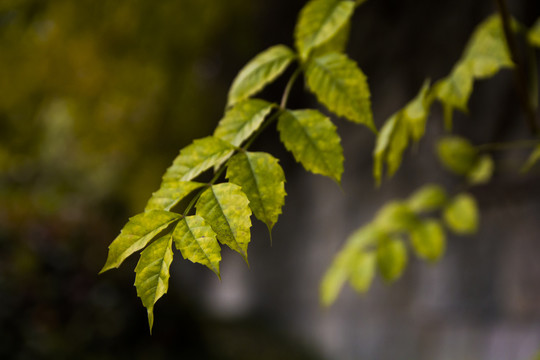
point(391, 259)
point(395, 217)
point(341, 86)
point(363, 270)
point(263, 182)
point(260, 71)
point(534, 34)
point(313, 140)
point(481, 171)
point(319, 21)
point(486, 52)
point(428, 198)
point(136, 234)
point(152, 274)
point(197, 157)
point(242, 120)
point(197, 242)
point(337, 43)
point(532, 160)
point(457, 154)
point(461, 214)
point(171, 193)
point(428, 240)
point(225, 208)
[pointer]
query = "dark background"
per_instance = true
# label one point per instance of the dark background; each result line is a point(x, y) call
point(96, 99)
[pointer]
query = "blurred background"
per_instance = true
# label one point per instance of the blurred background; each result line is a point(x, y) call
point(97, 98)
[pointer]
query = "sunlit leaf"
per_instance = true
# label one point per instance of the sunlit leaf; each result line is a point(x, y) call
point(319, 21)
point(428, 240)
point(197, 242)
point(198, 157)
point(428, 198)
point(225, 208)
point(341, 86)
point(337, 43)
point(454, 91)
point(481, 171)
point(391, 259)
point(363, 269)
point(395, 217)
point(416, 112)
point(457, 154)
point(171, 193)
point(461, 214)
point(262, 180)
point(136, 234)
point(534, 34)
point(532, 160)
point(152, 273)
point(260, 71)
point(313, 140)
point(242, 120)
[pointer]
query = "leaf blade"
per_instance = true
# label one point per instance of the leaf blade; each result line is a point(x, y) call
point(171, 193)
point(461, 214)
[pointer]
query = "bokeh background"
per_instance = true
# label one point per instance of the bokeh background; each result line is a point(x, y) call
point(96, 99)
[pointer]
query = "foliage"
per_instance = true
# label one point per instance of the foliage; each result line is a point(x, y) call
point(197, 209)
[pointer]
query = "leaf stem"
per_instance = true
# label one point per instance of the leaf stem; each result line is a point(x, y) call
point(508, 145)
point(520, 77)
point(288, 87)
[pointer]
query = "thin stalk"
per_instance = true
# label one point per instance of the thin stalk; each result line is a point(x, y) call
point(520, 78)
point(288, 87)
point(519, 144)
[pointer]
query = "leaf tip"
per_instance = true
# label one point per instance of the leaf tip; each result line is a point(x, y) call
point(150, 311)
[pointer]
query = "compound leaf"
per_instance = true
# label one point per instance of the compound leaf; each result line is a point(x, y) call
point(457, 154)
point(136, 234)
point(225, 208)
point(313, 140)
point(258, 72)
point(263, 182)
point(461, 214)
point(391, 259)
point(341, 86)
point(171, 193)
point(152, 274)
point(534, 34)
point(197, 242)
point(198, 157)
point(428, 240)
point(319, 21)
point(242, 120)
point(428, 198)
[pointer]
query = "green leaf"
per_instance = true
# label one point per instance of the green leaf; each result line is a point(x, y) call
point(461, 214)
point(197, 242)
point(428, 240)
point(337, 43)
point(395, 217)
point(391, 259)
point(457, 154)
point(260, 71)
point(487, 52)
point(198, 157)
point(341, 86)
point(136, 234)
point(416, 112)
point(481, 171)
point(225, 208)
point(534, 34)
point(532, 160)
point(319, 21)
point(262, 180)
point(334, 278)
point(152, 274)
point(313, 140)
point(242, 120)
point(428, 198)
point(171, 193)
point(363, 270)
point(454, 91)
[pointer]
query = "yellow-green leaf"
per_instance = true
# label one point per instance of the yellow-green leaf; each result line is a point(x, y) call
point(341, 86)
point(337, 43)
point(319, 21)
point(313, 140)
point(171, 193)
point(395, 217)
point(416, 112)
point(242, 120)
point(260, 71)
point(461, 214)
point(136, 234)
point(225, 208)
point(391, 143)
point(198, 157)
point(454, 91)
point(457, 154)
point(428, 198)
point(481, 171)
point(391, 259)
point(428, 240)
point(152, 274)
point(363, 270)
point(263, 182)
point(197, 242)
point(534, 34)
